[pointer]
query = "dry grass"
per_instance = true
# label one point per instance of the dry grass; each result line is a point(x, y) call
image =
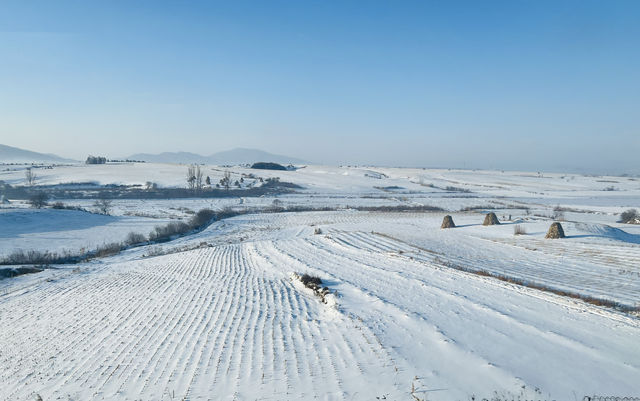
point(519, 229)
point(518, 281)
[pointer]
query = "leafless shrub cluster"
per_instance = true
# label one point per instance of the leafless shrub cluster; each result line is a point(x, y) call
point(314, 283)
point(38, 199)
point(518, 281)
point(103, 205)
point(135, 238)
point(630, 216)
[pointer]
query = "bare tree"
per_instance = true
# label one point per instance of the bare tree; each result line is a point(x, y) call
point(39, 199)
point(191, 177)
point(199, 182)
point(103, 205)
point(226, 180)
point(149, 185)
point(30, 177)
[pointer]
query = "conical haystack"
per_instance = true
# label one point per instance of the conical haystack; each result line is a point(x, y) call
point(447, 222)
point(555, 231)
point(490, 219)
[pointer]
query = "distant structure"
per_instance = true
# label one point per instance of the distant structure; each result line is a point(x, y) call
point(447, 222)
point(490, 219)
point(555, 231)
point(268, 166)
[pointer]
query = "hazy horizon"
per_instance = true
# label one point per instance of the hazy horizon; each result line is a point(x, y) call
point(499, 85)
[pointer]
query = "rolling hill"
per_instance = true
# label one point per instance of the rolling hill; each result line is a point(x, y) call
point(9, 154)
point(234, 156)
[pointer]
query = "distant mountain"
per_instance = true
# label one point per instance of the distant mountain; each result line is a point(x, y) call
point(169, 157)
point(9, 154)
point(234, 156)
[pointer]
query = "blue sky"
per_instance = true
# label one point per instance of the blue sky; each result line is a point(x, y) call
point(514, 84)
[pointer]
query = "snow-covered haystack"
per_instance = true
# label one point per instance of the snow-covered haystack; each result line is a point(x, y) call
point(490, 219)
point(447, 222)
point(555, 231)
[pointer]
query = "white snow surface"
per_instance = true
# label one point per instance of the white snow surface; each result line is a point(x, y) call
point(217, 315)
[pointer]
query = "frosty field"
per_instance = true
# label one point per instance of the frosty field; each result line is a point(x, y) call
point(416, 312)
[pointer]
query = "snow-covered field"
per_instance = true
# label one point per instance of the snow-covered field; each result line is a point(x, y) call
point(225, 320)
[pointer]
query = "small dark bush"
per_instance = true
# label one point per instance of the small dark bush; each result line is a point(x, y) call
point(108, 249)
point(17, 271)
point(307, 280)
point(34, 257)
point(457, 189)
point(58, 205)
point(630, 216)
point(135, 238)
point(226, 212)
point(39, 199)
point(164, 233)
point(202, 218)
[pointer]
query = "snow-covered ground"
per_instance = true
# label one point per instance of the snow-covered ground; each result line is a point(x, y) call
point(224, 320)
point(65, 230)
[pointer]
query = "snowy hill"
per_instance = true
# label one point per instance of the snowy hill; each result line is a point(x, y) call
point(234, 156)
point(9, 154)
point(169, 157)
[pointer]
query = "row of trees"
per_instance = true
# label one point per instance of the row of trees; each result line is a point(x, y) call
point(96, 160)
point(40, 199)
point(196, 180)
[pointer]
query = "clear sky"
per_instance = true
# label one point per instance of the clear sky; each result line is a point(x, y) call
point(490, 84)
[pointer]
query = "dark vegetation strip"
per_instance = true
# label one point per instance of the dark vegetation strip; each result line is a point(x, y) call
point(62, 191)
point(10, 272)
point(525, 283)
point(173, 230)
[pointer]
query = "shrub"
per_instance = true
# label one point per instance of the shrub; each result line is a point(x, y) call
point(103, 205)
point(108, 249)
point(164, 233)
point(630, 216)
point(135, 238)
point(307, 280)
point(557, 215)
point(457, 189)
point(519, 230)
point(39, 199)
point(35, 257)
point(226, 212)
point(202, 218)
